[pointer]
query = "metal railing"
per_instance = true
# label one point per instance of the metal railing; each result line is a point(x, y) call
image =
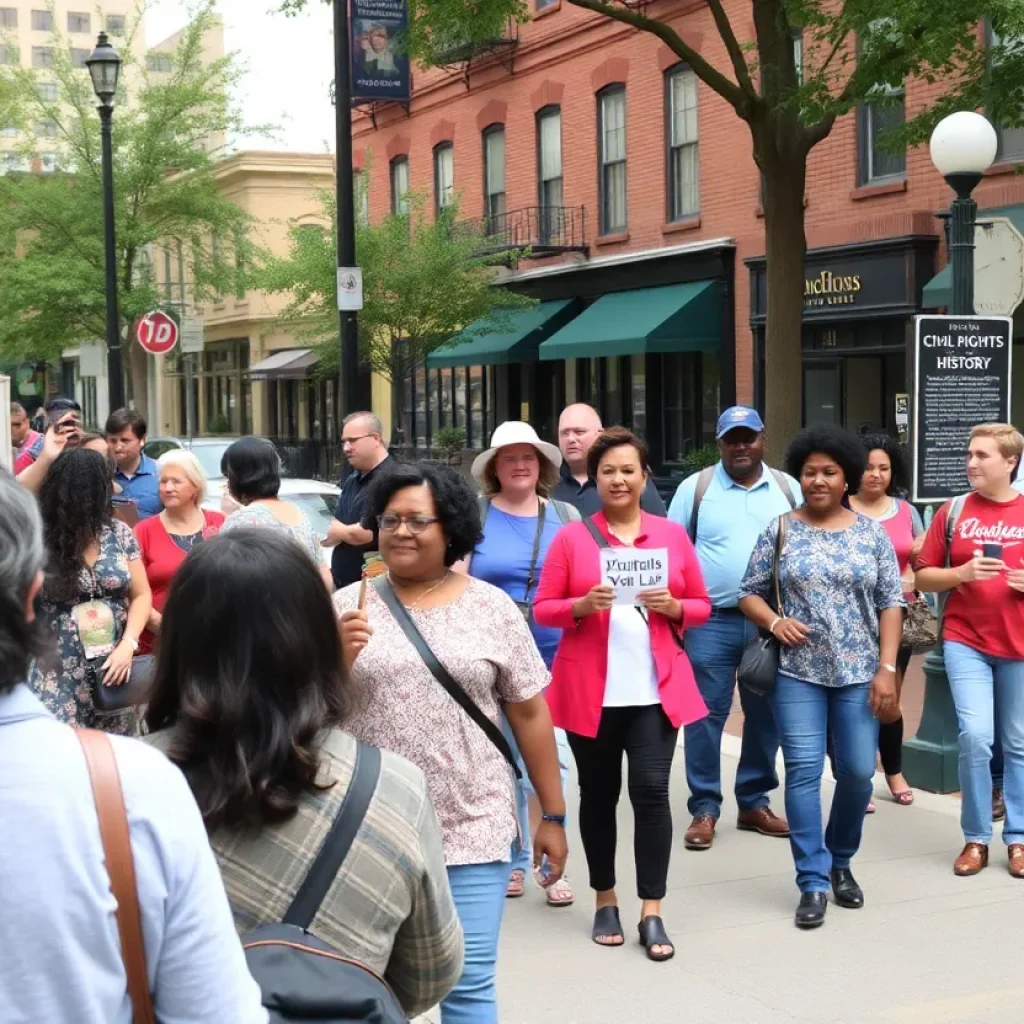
point(544, 230)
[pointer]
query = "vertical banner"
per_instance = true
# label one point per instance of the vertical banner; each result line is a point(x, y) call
point(962, 378)
point(380, 68)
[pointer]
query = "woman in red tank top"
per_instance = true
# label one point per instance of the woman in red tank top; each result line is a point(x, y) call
point(887, 472)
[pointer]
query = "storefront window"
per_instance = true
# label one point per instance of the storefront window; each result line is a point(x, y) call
point(460, 374)
point(638, 391)
point(680, 382)
point(612, 412)
point(421, 407)
point(711, 403)
point(445, 402)
point(476, 406)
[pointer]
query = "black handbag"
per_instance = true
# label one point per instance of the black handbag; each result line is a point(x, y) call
point(759, 666)
point(115, 700)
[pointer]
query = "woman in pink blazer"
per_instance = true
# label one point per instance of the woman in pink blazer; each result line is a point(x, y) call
point(621, 681)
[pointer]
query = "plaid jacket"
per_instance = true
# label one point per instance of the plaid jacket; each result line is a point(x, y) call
point(390, 906)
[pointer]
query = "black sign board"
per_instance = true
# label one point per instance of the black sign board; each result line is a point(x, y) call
point(380, 67)
point(962, 379)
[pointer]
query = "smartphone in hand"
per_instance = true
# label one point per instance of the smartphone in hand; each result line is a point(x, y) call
point(992, 550)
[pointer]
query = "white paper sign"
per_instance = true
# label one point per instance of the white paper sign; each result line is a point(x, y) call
point(350, 289)
point(629, 571)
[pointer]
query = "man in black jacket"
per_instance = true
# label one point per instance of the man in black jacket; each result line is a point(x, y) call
point(578, 428)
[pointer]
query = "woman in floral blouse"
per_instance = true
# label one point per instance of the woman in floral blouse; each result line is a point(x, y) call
point(94, 576)
point(839, 628)
point(428, 520)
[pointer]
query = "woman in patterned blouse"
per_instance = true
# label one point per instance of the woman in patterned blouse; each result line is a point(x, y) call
point(428, 520)
point(840, 627)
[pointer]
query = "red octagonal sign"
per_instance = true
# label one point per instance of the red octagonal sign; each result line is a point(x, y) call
point(157, 333)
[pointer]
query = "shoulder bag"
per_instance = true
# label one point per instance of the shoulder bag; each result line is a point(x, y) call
point(759, 666)
point(401, 615)
point(117, 852)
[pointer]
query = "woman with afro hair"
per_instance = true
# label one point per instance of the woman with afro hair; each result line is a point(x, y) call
point(96, 599)
point(839, 626)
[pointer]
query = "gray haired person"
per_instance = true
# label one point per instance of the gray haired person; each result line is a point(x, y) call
point(65, 967)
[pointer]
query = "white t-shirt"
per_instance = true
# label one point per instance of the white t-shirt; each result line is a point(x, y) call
point(632, 679)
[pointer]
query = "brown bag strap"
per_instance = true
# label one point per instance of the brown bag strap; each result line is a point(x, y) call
point(117, 852)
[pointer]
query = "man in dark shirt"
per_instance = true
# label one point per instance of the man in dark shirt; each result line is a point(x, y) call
point(363, 443)
point(578, 428)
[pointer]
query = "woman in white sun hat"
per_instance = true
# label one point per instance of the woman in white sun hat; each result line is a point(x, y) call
point(516, 475)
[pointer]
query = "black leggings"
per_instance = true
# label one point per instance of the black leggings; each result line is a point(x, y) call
point(648, 739)
point(890, 737)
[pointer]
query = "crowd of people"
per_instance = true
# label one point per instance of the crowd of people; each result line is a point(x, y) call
point(486, 635)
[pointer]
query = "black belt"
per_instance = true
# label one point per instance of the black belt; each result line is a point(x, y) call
point(723, 610)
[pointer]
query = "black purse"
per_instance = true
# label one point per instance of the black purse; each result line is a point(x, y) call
point(115, 700)
point(759, 666)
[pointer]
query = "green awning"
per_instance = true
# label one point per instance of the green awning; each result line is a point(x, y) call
point(939, 290)
point(527, 329)
point(672, 318)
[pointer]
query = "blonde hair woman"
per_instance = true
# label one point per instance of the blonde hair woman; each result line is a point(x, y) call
point(166, 539)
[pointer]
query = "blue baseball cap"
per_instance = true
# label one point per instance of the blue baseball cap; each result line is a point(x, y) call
point(739, 416)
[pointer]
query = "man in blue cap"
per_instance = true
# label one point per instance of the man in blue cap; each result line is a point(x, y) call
point(725, 508)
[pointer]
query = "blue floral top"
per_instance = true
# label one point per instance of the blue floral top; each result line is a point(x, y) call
point(836, 583)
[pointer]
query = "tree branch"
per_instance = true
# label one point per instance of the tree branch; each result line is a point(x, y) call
point(705, 71)
point(733, 48)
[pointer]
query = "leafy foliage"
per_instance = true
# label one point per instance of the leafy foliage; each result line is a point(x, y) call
point(168, 130)
point(422, 283)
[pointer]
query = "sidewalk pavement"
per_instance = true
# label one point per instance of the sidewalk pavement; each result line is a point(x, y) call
point(928, 948)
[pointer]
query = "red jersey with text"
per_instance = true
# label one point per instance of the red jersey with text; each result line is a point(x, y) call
point(985, 615)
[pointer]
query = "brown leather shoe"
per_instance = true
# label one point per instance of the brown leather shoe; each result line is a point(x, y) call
point(973, 859)
point(1015, 853)
point(998, 805)
point(763, 820)
point(701, 833)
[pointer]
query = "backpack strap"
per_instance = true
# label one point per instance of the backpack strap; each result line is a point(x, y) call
point(780, 479)
point(956, 508)
point(483, 504)
point(351, 813)
point(401, 615)
point(704, 478)
point(117, 852)
point(599, 538)
point(566, 513)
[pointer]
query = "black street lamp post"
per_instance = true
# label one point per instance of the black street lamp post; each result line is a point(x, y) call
point(963, 147)
point(105, 67)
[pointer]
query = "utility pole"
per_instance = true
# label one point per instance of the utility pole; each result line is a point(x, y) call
point(352, 399)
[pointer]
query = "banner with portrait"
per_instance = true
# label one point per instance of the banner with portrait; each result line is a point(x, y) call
point(380, 67)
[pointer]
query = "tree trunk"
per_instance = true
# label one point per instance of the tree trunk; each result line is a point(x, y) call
point(785, 249)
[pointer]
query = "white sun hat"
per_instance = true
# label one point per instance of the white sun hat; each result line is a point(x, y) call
point(515, 432)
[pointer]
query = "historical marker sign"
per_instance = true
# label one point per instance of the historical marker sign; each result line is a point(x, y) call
point(962, 378)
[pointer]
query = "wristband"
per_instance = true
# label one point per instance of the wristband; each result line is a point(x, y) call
point(771, 628)
point(555, 819)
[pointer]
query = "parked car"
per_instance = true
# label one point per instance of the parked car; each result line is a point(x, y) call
point(208, 450)
point(316, 498)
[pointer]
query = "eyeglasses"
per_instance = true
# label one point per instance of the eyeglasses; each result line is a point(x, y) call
point(416, 525)
point(348, 441)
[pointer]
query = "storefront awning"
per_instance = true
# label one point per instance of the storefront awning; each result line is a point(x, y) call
point(290, 364)
point(939, 290)
point(527, 329)
point(672, 318)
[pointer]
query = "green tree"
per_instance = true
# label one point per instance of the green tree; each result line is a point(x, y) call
point(850, 48)
point(168, 132)
point(423, 283)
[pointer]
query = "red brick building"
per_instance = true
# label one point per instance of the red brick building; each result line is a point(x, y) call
point(636, 187)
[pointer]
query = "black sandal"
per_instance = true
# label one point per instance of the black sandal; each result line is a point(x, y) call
point(607, 925)
point(652, 933)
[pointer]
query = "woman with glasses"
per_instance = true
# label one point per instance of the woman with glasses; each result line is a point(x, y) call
point(428, 519)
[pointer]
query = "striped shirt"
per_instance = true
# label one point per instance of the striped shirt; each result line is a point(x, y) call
point(390, 906)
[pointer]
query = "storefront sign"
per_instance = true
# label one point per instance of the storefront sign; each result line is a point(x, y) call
point(379, 70)
point(962, 379)
point(829, 289)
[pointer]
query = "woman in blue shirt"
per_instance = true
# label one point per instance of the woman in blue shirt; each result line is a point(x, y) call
point(516, 475)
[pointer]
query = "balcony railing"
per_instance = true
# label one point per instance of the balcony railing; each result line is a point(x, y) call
point(458, 52)
point(543, 230)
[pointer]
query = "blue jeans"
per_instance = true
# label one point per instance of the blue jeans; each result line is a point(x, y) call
point(715, 650)
point(979, 683)
point(808, 716)
point(522, 851)
point(479, 894)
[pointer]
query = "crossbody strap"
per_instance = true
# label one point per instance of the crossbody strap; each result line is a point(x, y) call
point(401, 615)
point(339, 840)
point(780, 543)
point(117, 852)
point(531, 576)
point(599, 538)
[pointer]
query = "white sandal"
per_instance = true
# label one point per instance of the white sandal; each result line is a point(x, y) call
point(560, 894)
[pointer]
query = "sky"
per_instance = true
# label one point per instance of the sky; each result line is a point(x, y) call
point(290, 67)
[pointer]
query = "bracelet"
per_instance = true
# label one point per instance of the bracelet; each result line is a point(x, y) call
point(555, 819)
point(771, 628)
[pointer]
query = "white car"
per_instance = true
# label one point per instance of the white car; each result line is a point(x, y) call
point(316, 498)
